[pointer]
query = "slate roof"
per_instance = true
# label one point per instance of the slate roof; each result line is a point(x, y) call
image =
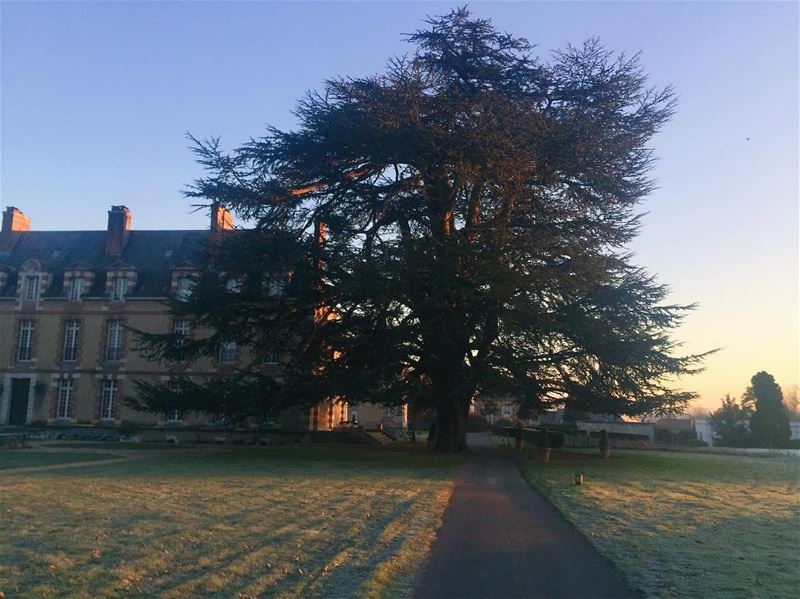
point(151, 253)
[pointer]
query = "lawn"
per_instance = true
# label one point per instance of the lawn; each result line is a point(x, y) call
point(685, 525)
point(24, 458)
point(255, 522)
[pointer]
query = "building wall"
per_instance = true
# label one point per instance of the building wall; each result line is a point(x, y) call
point(90, 368)
point(149, 265)
point(495, 408)
point(628, 428)
point(371, 415)
point(327, 415)
point(704, 431)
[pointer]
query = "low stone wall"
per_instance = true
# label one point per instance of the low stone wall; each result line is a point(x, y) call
point(643, 429)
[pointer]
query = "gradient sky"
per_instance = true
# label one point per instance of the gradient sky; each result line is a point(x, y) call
point(96, 98)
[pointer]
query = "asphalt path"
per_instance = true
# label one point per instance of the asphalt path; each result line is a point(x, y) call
point(500, 539)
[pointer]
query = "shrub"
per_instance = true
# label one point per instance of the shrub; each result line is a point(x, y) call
point(544, 438)
point(477, 423)
point(663, 436)
point(504, 425)
point(293, 419)
point(128, 428)
point(556, 438)
point(421, 420)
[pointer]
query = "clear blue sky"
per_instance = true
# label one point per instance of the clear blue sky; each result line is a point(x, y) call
point(96, 98)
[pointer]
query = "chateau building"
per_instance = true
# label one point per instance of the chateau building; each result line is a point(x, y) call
point(67, 302)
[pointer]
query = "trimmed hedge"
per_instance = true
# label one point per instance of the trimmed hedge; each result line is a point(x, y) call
point(531, 435)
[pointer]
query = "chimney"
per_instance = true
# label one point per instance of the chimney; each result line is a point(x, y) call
point(13, 222)
point(119, 226)
point(221, 219)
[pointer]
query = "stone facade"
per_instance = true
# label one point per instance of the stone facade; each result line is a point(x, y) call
point(495, 408)
point(67, 302)
point(372, 416)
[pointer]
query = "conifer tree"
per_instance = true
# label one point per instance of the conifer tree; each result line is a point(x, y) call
point(769, 424)
point(476, 203)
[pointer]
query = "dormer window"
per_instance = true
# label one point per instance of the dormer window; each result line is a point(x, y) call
point(32, 281)
point(78, 281)
point(120, 281)
point(184, 287)
point(30, 288)
point(76, 289)
point(119, 289)
point(184, 278)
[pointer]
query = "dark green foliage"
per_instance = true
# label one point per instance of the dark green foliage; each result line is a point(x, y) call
point(477, 203)
point(127, 428)
point(769, 425)
point(477, 423)
point(555, 439)
point(544, 438)
point(293, 419)
point(503, 425)
point(730, 423)
point(668, 437)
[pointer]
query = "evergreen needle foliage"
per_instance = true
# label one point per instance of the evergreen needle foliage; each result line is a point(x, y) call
point(476, 202)
point(769, 424)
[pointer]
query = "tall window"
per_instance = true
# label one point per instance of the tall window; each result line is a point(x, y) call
point(276, 287)
point(227, 352)
point(185, 286)
point(76, 289)
point(31, 289)
point(119, 288)
point(114, 341)
point(25, 350)
point(233, 285)
point(181, 328)
point(393, 411)
point(71, 330)
point(175, 415)
point(64, 398)
point(108, 400)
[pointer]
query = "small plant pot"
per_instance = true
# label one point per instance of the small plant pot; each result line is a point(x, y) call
point(578, 478)
point(544, 454)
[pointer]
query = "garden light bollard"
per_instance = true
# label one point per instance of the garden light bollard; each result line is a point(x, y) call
point(578, 478)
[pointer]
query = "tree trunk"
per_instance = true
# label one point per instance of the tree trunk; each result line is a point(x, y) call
point(451, 425)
